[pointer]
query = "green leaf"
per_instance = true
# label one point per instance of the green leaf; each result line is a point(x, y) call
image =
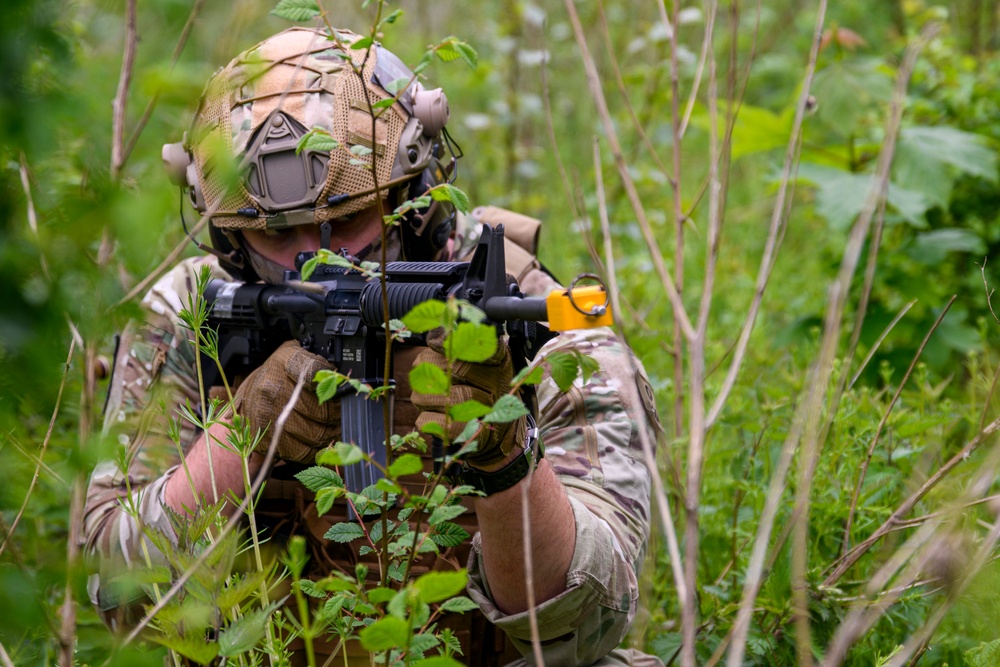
point(384, 634)
point(344, 532)
point(969, 153)
point(327, 383)
point(447, 534)
point(362, 43)
point(397, 85)
point(564, 368)
point(445, 513)
point(428, 378)
point(932, 247)
point(341, 454)
point(407, 464)
point(448, 192)
point(311, 589)
point(467, 410)
point(840, 196)
point(459, 604)
point(388, 486)
point(381, 594)
point(318, 477)
point(438, 586)
point(245, 633)
point(383, 104)
point(472, 342)
point(296, 10)
point(316, 139)
point(433, 428)
point(529, 375)
point(507, 409)
point(425, 316)
point(848, 89)
point(326, 497)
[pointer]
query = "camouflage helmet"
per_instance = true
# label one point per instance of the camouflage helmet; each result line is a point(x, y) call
point(260, 105)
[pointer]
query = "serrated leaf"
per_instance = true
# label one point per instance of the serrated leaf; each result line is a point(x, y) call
point(311, 589)
point(344, 532)
point(327, 383)
point(467, 410)
point(362, 43)
point(341, 454)
point(245, 633)
point(397, 85)
point(296, 10)
point(438, 586)
point(563, 367)
point(361, 151)
point(407, 464)
point(384, 634)
point(447, 534)
point(425, 316)
point(316, 140)
point(318, 477)
point(507, 409)
point(471, 428)
point(472, 342)
point(529, 375)
point(326, 497)
point(448, 192)
point(433, 428)
point(445, 513)
point(422, 643)
point(388, 486)
point(428, 378)
point(459, 605)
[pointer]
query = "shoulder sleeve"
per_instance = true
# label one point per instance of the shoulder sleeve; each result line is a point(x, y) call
point(154, 374)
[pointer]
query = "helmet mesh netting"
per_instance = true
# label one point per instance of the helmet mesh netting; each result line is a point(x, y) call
point(351, 123)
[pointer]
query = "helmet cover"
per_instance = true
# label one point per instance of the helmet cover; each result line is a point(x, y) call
point(262, 102)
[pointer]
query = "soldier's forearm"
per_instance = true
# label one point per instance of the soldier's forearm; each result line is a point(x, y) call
point(553, 540)
point(192, 482)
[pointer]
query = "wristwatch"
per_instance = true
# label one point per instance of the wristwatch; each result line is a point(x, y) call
point(512, 473)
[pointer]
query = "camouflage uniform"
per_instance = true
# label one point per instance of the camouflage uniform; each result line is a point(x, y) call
point(591, 436)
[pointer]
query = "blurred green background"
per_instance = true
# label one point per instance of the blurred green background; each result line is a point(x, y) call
point(74, 238)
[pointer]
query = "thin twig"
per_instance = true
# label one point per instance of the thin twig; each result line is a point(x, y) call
point(7, 662)
point(754, 576)
point(779, 219)
point(878, 342)
point(529, 568)
point(669, 530)
point(823, 367)
point(838, 568)
point(121, 97)
point(989, 292)
point(262, 474)
point(44, 448)
point(147, 113)
point(594, 81)
point(67, 632)
point(885, 418)
point(697, 430)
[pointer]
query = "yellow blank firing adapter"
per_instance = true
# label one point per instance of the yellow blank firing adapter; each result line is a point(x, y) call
point(579, 307)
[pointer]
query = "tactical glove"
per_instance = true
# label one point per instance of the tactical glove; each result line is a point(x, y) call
point(485, 382)
point(265, 393)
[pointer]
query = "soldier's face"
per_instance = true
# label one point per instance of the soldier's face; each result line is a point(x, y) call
point(282, 245)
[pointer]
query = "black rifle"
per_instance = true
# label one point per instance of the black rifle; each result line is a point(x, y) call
point(340, 315)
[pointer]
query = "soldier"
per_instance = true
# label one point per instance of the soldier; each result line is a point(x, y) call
point(588, 496)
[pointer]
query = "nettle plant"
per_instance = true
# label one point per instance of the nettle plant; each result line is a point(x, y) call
point(218, 597)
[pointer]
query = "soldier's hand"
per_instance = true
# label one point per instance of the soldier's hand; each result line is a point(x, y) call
point(485, 382)
point(265, 393)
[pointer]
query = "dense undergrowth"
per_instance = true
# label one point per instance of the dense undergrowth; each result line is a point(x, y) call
point(867, 413)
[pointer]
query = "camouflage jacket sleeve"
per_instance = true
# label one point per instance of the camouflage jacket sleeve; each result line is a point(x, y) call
point(592, 439)
point(154, 374)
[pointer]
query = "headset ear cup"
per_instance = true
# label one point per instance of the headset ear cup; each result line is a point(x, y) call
point(425, 232)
